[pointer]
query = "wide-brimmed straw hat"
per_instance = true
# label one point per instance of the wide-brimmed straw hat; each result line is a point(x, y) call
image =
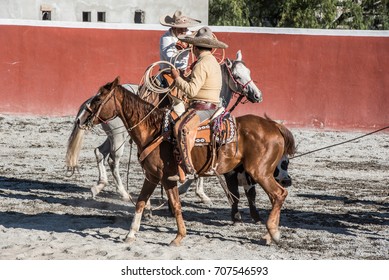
point(178, 20)
point(204, 38)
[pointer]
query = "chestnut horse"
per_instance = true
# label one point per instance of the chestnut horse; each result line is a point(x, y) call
point(260, 145)
point(236, 78)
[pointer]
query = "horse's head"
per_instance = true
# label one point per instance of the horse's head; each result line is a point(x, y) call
point(240, 79)
point(100, 108)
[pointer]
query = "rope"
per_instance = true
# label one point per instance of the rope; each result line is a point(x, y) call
point(183, 52)
point(341, 143)
point(128, 166)
point(150, 80)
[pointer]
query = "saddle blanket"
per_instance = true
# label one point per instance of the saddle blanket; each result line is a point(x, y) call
point(223, 128)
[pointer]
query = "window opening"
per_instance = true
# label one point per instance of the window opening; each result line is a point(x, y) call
point(86, 16)
point(139, 16)
point(101, 16)
point(46, 15)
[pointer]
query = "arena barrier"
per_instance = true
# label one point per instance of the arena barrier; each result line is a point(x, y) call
point(309, 78)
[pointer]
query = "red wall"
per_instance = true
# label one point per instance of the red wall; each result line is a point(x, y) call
point(307, 80)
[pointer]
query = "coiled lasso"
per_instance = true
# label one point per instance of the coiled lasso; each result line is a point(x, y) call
point(152, 83)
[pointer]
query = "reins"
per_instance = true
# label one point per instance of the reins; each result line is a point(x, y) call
point(341, 143)
point(236, 102)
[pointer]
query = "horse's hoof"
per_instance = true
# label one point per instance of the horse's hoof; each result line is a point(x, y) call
point(94, 192)
point(206, 201)
point(269, 238)
point(276, 237)
point(147, 214)
point(126, 198)
point(266, 239)
point(236, 218)
point(237, 222)
point(175, 243)
point(255, 216)
point(129, 240)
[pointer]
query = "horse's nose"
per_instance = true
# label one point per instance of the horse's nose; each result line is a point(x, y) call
point(258, 96)
point(256, 93)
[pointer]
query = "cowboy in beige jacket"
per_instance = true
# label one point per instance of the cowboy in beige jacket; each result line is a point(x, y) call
point(203, 91)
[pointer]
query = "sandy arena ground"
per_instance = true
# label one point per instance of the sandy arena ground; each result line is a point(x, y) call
point(337, 208)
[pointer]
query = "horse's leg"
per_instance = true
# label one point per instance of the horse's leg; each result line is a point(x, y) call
point(233, 187)
point(249, 190)
point(144, 196)
point(174, 199)
point(251, 195)
point(101, 153)
point(200, 191)
point(114, 162)
point(184, 187)
point(147, 213)
point(277, 195)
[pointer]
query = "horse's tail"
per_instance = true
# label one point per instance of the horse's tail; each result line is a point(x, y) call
point(290, 145)
point(74, 146)
point(75, 143)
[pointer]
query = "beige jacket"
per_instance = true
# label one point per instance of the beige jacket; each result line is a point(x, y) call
point(205, 81)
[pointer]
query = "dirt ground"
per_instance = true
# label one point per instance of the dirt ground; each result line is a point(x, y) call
point(337, 207)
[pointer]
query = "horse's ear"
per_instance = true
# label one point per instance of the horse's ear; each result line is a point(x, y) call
point(116, 82)
point(239, 55)
point(229, 63)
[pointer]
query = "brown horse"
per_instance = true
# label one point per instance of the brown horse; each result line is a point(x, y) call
point(260, 145)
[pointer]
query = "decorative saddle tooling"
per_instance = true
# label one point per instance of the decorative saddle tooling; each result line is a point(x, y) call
point(217, 131)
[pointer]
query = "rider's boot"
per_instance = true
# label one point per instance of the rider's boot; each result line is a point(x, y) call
point(185, 144)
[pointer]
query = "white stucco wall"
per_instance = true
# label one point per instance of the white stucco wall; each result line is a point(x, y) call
point(117, 11)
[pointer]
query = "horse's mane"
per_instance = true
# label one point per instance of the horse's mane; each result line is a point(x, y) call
point(133, 104)
point(82, 106)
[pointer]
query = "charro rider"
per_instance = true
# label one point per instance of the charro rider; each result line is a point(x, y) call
point(170, 47)
point(202, 90)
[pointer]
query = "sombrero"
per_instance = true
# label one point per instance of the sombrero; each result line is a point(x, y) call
point(178, 20)
point(204, 38)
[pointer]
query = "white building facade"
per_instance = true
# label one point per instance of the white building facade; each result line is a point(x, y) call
point(112, 11)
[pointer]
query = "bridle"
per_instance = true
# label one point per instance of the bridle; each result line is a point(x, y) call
point(96, 114)
point(236, 82)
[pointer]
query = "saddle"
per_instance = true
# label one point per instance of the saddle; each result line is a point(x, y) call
point(215, 132)
point(219, 131)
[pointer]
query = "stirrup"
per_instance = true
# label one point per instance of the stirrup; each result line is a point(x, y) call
point(174, 178)
point(178, 177)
